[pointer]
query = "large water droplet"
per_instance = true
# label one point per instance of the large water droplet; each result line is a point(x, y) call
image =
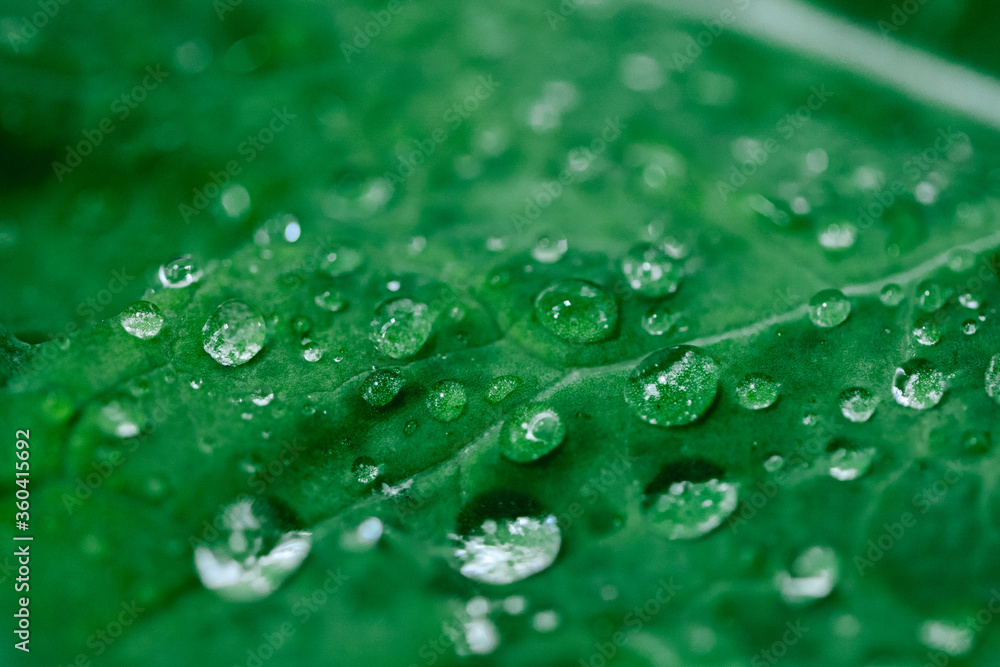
point(813, 576)
point(501, 387)
point(650, 271)
point(502, 551)
point(142, 319)
point(530, 432)
point(381, 386)
point(234, 333)
point(691, 509)
point(254, 552)
point(857, 404)
point(179, 272)
point(756, 392)
point(446, 400)
point(577, 311)
point(673, 386)
point(918, 384)
point(829, 308)
point(993, 378)
point(401, 327)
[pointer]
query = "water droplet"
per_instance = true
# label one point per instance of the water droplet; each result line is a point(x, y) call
point(673, 386)
point(401, 327)
point(918, 384)
point(691, 509)
point(142, 319)
point(660, 320)
point(951, 638)
point(550, 248)
point(774, 463)
point(501, 387)
point(530, 432)
point(312, 352)
point(993, 378)
point(502, 551)
point(281, 227)
point(829, 308)
point(366, 470)
point(121, 419)
point(650, 271)
point(179, 272)
point(838, 236)
point(262, 396)
point(332, 301)
point(410, 427)
point(446, 400)
point(976, 443)
point(847, 464)
point(341, 260)
point(302, 325)
point(931, 295)
point(891, 295)
point(857, 404)
point(577, 311)
point(253, 554)
point(969, 300)
point(926, 331)
point(970, 327)
point(234, 333)
point(756, 392)
point(814, 575)
point(381, 386)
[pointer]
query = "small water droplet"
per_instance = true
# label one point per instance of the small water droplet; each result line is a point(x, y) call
point(381, 386)
point(262, 396)
point(918, 384)
point(253, 554)
point(969, 300)
point(332, 301)
point(891, 295)
point(932, 295)
point(142, 319)
point(179, 272)
point(366, 470)
point(121, 419)
point(446, 400)
point(756, 392)
point(550, 248)
point(660, 320)
point(774, 463)
point(530, 432)
point(945, 636)
point(970, 327)
point(577, 311)
point(993, 378)
point(829, 308)
point(838, 236)
point(401, 327)
point(857, 404)
point(847, 464)
point(926, 331)
point(500, 388)
point(673, 386)
point(691, 509)
point(341, 260)
point(813, 576)
point(312, 352)
point(410, 427)
point(650, 271)
point(302, 325)
point(234, 333)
